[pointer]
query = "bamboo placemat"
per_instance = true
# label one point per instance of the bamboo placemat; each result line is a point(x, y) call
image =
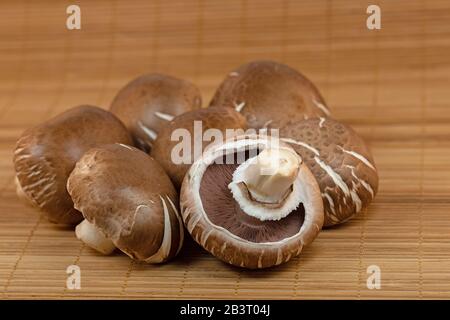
point(392, 85)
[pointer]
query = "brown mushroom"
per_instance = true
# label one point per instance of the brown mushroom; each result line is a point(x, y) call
point(21, 194)
point(128, 202)
point(46, 154)
point(181, 141)
point(251, 202)
point(148, 102)
point(270, 93)
point(341, 162)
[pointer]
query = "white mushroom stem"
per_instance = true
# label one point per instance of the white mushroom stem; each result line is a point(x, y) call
point(269, 186)
point(270, 176)
point(92, 237)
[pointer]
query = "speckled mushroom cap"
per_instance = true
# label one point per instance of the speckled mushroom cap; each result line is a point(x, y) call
point(267, 92)
point(341, 162)
point(197, 121)
point(148, 102)
point(129, 198)
point(219, 224)
point(46, 154)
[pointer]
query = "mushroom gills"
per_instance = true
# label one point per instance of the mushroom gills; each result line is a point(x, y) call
point(92, 237)
point(224, 211)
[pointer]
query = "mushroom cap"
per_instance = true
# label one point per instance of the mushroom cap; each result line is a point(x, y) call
point(46, 154)
point(209, 118)
point(341, 162)
point(272, 93)
point(129, 198)
point(208, 209)
point(148, 102)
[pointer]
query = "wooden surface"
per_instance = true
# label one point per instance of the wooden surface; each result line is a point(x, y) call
point(391, 85)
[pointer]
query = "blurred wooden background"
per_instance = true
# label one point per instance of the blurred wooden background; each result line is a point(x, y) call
point(392, 85)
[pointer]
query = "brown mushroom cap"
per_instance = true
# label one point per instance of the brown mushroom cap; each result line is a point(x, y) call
point(341, 162)
point(148, 102)
point(209, 118)
point(128, 197)
point(215, 219)
point(46, 154)
point(269, 92)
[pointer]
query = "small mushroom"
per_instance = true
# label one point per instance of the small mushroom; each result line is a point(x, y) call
point(46, 154)
point(271, 94)
point(251, 202)
point(148, 102)
point(181, 141)
point(341, 162)
point(128, 202)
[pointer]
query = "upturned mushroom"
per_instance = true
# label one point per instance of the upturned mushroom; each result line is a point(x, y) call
point(46, 154)
point(341, 162)
point(150, 101)
point(182, 140)
point(251, 202)
point(128, 202)
point(271, 94)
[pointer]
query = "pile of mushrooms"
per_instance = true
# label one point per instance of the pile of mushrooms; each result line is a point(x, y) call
point(274, 96)
point(263, 169)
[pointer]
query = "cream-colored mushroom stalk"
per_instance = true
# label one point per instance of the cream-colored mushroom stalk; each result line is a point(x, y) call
point(92, 237)
point(263, 186)
point(270, 176)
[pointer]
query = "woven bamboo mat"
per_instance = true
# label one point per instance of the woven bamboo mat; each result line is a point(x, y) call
point(392, 85)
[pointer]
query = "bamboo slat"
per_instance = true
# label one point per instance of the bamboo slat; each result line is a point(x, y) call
point(392, 85)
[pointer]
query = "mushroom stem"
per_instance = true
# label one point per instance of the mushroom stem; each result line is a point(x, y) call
point(270, 176)
point(93, 238)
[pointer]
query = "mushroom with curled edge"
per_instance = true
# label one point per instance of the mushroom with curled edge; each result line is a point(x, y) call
point(128, 202)
point(271, 94)
point(257, 210)
point(148, 102)
point(46, 154)
point(341, 162)
point(21, 194)
point(182, 140)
